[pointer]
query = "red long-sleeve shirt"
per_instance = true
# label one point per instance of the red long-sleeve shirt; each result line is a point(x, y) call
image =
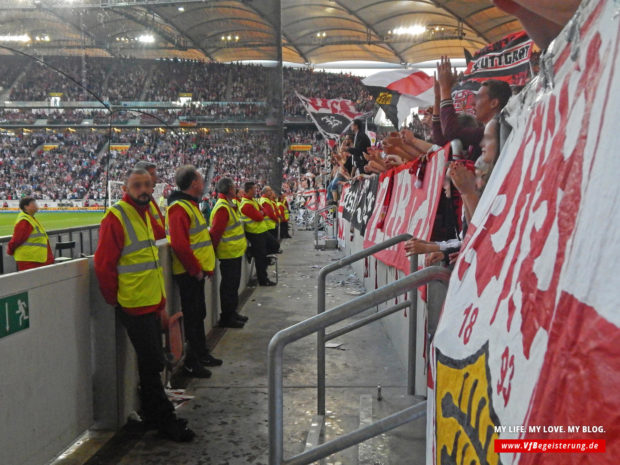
point(218, 225)
point(268, 210)
point(159, 229)
point(179, 224)
point(108, 254)
point(21, 233)
point(251, 212)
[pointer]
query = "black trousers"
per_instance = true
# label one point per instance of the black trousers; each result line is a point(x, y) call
point(259, 251)
point(145, 334)
point(271, 243)
point(284, 229)
point(274, 232)
point(230, 269)
point(194, 310)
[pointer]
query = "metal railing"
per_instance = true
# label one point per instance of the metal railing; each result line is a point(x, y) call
point(315, 223)
point(86, 238)
point(316, 324)
point(321, 306)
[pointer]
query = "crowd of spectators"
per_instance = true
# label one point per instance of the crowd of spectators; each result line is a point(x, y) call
point(10, 68)
point(310, 83)
point(73, 164)
point(65, 169)
point(119, 79)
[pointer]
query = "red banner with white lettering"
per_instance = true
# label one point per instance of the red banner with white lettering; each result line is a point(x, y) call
point(412, 207)
point(311, 200)
point(527, 344)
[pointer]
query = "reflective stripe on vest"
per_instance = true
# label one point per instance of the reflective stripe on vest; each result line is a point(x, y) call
point(251, 226)
point(271, 224)
point(233, 242)
point(199, 239)
point(286, 212)
point(155, 213)
point(140, 277)
point(35, 247)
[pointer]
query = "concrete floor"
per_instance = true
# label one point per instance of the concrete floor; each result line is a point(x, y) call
point(229, 412)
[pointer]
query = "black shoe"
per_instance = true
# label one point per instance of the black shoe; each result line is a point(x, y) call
point(240, 317)
point(280, 251)
point(152, 424)
point(196, 371)
point(267, 283)
point(176, 430)
point(210, 361)
point(231, 323)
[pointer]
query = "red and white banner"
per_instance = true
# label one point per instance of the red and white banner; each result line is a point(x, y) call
point(331, 116)
point(527, 346)
point(310, 200)
point(341, 221)
point(322, 198)
point(411, 209)
point(398, 91)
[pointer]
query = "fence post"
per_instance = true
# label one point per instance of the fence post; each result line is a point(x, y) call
point(413, 328)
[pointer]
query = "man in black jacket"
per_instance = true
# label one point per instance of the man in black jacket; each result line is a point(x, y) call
point(361, 142)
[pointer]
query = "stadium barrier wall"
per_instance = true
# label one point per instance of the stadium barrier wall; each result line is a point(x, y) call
point(74, 368)
point(118, 361)
point(46, 399)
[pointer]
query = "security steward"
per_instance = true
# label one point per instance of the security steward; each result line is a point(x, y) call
point(285, 216)
point(157, 219)
point(230, 244)
point(271, 215)
point(131, 279)
point(29, 245)
point(253, 220)
point(193, 260)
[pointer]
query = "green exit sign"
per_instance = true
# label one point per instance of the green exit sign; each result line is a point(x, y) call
point(14, 314)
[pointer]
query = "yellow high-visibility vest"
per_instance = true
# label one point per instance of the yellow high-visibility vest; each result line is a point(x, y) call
point(155, 213)
point(282, 208)
point(233, 243)
point(199, 239)
point(287, 214)
point(140, 276)
point(251, 226)
point(35, 247)
point(268, 221)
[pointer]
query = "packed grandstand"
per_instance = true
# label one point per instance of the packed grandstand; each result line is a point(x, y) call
point(54, 162)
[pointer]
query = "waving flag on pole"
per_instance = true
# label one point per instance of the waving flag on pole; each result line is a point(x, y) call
point(331, 116)
point(398, 91)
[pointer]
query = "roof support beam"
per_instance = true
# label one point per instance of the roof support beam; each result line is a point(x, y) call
point(463, 20)
point(161, 31)
point(371, 29)
point(268, 20)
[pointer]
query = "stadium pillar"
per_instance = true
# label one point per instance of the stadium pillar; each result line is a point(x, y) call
point(275, 116)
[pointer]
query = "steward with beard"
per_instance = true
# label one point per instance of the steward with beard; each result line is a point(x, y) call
point(131, 279)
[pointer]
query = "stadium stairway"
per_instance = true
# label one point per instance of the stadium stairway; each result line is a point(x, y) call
point(229, 411)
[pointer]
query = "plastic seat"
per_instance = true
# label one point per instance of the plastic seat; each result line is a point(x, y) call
point(60, 246)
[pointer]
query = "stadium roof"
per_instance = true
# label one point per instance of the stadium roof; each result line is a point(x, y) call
point(314, 31)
